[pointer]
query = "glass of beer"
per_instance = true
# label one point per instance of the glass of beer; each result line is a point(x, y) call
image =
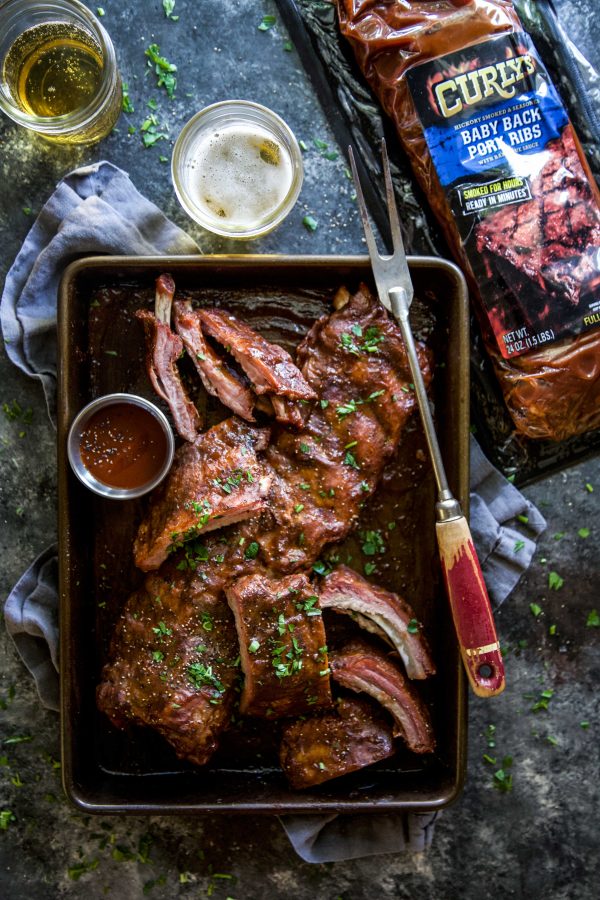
point(237, 169)
point(58, 70)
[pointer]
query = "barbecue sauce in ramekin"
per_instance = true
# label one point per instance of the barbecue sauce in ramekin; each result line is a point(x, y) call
point(123, 446)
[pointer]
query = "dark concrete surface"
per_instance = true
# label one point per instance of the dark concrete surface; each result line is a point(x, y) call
point(537, 840)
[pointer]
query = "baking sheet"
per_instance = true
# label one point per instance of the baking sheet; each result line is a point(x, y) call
point(101, 350)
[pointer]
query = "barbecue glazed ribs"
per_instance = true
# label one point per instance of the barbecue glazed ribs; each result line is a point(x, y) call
point(354, 360)
point(214, 482)
point(353, 735)
point(174, 663)
point(163, 349)
point(217, 377)
point(283, 646)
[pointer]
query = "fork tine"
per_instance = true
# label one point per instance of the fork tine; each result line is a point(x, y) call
point(362, 208)
point(396, 232)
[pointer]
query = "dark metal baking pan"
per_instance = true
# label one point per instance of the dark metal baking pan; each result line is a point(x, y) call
point(100, 351)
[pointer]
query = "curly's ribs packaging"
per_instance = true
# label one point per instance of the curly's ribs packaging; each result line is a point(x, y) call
point(492, 146)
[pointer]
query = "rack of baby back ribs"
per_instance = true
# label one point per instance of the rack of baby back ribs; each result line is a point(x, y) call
point(248, 636)
point(492, 147)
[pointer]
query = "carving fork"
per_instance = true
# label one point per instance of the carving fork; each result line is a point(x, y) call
point(467, 594)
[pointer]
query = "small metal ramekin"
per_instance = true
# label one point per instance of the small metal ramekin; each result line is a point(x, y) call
point(74, 446)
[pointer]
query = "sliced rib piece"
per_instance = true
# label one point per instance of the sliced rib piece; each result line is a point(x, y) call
point(282, 645)
point(269, 367)
point(360, 666)
point(173, 663)
point(353, 735)
point(217, 378)
point(163, 349)
point(381, 612)
point(356, 361)
point(214, 482)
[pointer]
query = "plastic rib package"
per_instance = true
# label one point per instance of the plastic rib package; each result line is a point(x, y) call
point(492, 146)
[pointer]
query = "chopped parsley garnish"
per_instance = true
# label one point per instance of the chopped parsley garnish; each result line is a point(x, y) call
point(163, 69)
point(298, 507)
point(251, 551)
point(347, 408)
point(413, 627)
point(6, 817)
point(169, 6)
point(150, 131)
point(310, 223)
point(555, 582)
point(372, 542)
point(308, 606)
point(543, 701)
point(321, 567)
point(206, 621)
point(324, 404)
point(127, 105)
point(369, 568)
point(370, 343)
point(161, 630)
point(253, 646)
point(503, 780)
point(304, 448)
point(267, 23)
point(15, 412)
point(201, 675)
point(233, 481)
point(158, 656)
point(286, 659)
point(350, 460)
point(352, 405)
point(593, 619)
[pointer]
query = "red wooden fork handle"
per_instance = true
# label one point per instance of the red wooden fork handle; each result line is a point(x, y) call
point(471, 609)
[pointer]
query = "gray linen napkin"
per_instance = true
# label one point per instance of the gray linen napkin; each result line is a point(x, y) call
point(94, 209)
point(97, 209)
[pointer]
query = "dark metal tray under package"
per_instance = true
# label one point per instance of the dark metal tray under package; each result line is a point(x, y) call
point(101, 350)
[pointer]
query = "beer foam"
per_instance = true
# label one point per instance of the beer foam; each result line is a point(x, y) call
point(240, 174)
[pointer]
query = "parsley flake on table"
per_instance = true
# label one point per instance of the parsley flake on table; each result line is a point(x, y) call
point(126, 103)
point(543, 701)
point(267, 23)
point(163, 69)
point(310, 223)
point(150, 131)
point(593, 619)
point(584, 532)
point(555, 582)
point(535, 608)
point(168, 7)
point(503, 780)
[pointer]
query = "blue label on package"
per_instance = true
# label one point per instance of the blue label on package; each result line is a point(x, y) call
point(510, 165)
